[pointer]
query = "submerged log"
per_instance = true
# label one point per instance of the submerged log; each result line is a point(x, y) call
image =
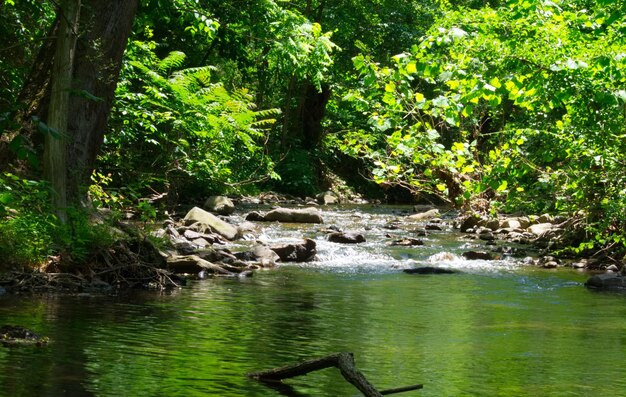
point(343, 361)
point(429, 270)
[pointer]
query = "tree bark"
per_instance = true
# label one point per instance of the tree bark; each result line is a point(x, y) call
point(311, 113)
point(107, 26)
point(58, 113)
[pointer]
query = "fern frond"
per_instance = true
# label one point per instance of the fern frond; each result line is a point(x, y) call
point(173, 60)
point(261, 114)
point(242, 94)
point(263, 124)
point(201, 74)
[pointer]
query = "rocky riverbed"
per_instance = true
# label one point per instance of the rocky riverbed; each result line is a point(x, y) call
point(223, 238)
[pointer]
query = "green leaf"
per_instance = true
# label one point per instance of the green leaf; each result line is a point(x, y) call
point(6, 198)
point(411, 68)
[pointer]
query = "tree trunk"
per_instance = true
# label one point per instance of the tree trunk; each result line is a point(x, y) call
point(286, 140)
point(58, 112)
point(106, 26)
point(311, 113)
point(34, 98)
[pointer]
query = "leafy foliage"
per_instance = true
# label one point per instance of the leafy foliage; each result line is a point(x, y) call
point(522, 103)
point(23, 26)
point(30, 233)
point(173, 125)
point(26, 223)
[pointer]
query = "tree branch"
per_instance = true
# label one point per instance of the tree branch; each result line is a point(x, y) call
point(343, 361)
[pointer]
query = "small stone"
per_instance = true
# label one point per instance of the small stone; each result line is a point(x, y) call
point(191, 235)
point(171, 230)
point(327, 198)
point(474, 255)
point(219, 204)
point(469, 223)
point(486, 235)
point(200, 242)
point(540, 228)
point(304, 252)
point(346, 238)
point(511, 223)
point(524, 222)
point(492, 224)
point(424, 216)
point(545, 218)
point(407, 242)
point(159, 233)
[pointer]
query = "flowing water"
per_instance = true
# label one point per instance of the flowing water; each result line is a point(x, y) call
point(496, 329)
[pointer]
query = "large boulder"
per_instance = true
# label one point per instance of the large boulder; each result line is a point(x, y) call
point(220, 205)
point(607, 281)
point(288, 215)
point(211, 223)
point(304, 252)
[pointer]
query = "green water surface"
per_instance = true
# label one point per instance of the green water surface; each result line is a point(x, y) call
point(527, 333)
point(495, 329)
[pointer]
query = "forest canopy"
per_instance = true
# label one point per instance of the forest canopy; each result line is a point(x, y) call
point(490, 106)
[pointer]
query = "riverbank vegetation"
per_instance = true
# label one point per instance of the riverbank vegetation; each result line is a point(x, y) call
point(489, 106)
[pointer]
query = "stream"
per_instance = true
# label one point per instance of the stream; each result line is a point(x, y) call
point(497, 328)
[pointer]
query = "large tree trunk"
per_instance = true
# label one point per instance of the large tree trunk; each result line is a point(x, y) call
point(55, 141)
point(106, 26)
point(311, 113)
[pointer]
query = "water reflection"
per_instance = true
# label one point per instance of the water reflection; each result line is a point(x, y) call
point(496, 329)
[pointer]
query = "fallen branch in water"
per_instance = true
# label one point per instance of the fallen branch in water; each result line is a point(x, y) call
point(343, 361)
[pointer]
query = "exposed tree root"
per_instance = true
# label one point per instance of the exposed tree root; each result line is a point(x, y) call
point(126, 264)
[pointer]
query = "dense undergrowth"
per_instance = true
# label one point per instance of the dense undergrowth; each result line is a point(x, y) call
point(31, 235)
